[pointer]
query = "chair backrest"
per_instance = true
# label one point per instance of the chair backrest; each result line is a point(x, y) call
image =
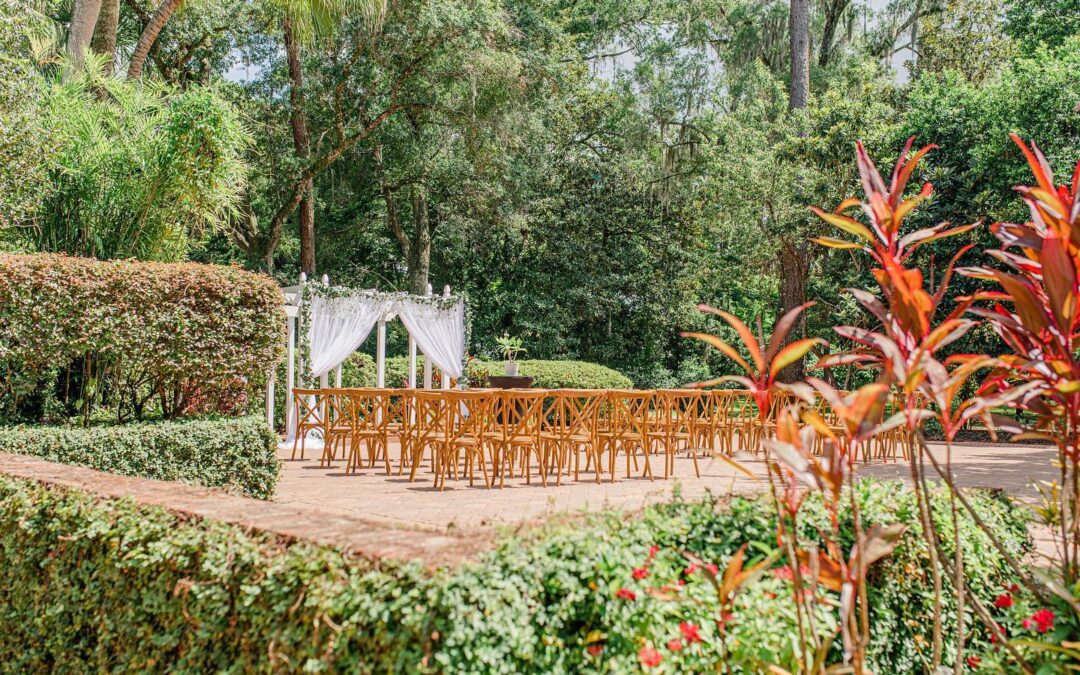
point(677, 409)
point(431, 414)
point(468, 413)
point(309, 406)
point(572, 412)
point(520, 412)
point(628, 411)
point(370, 408)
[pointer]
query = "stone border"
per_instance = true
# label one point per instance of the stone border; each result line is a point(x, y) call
point(367, 538)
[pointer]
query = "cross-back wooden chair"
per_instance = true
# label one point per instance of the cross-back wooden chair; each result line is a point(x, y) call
point(370, 418)
point(570, 428)
point(310, 413)
point(468, 430)
point(428, 429)
point(516, 436)
point(625, 416)
point(676, 414)
point(402, 414)
point(338, 426)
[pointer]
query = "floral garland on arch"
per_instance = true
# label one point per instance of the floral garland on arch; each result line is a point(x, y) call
point(318, 289)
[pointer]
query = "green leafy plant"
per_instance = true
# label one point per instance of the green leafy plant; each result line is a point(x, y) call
point(510, 347)
point(131, 337)
point(97, 581)
point(238, 454)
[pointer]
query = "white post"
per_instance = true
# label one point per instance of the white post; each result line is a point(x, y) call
point(412, 362)
point(427, 361)
point(290, 372)
point(270, 400)
point(445, 377)
point(380, 354)
point(337, 376)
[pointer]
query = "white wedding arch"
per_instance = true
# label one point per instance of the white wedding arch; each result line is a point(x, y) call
point(326, 324)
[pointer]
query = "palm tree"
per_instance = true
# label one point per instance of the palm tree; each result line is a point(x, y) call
point(149, 34)
point(84, 16)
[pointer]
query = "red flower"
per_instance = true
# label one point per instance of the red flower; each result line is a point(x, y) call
point(690, 569)
point(1003, 601)
point(783, 573)
point(1013, 588)
point(649, 657)
point(674, 645)
point(1044, 620)
point(1026, 623)
point(625, 594)
point(713, 568)
point(595, 648)
point(682, 582)
point(974, 662)
point(641, 572)
point(770, 595)
point(690, 632)
point(653, 550)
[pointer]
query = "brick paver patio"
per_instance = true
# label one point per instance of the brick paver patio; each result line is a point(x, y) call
point(372, 494)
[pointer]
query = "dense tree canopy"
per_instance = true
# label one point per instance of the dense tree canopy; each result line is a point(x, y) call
point(586, 172)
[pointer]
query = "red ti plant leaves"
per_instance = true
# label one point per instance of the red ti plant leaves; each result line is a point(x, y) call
point(766, 362)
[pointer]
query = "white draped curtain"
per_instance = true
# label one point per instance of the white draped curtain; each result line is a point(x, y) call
point(339, 326)
point(439, 331)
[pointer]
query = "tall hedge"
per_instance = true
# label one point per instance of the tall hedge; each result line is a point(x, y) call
point(77, 332)
point(359, 371)
point(238, 454)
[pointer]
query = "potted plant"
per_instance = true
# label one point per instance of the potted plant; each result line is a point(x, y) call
point(510, 347)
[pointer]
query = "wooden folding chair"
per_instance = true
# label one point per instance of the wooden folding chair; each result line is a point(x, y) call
point(428, 429)
point(467, 432)
point(625, 426)
point(674, 423)
point(516, 435)
point(310, 415)
point(569, 428)
point(370, 426)
point(338, 425)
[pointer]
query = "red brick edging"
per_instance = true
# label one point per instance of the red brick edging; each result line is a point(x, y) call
point(353, 534)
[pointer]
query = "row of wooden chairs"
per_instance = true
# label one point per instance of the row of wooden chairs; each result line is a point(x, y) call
point(559, 432)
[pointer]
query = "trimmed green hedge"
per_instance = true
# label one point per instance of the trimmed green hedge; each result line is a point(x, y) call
point(91, 584)
point(132, 336)
point(359, 371)
point(238, 454)
point(559, 374)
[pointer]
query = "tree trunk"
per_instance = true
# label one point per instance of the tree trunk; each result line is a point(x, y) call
point(84, 16)
point(799, 29)
point(794, 261)
point(149, 35)
point(834, 12)
point(302, 146)
point(420, 248)
point(104, 41)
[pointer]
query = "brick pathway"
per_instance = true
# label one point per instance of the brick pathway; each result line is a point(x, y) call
point(372, 494)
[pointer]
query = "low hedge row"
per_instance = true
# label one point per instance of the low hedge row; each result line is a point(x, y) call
point(359, 371)
point(238, 454)
point(91, 584)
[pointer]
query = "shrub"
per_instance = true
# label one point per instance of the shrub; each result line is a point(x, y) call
point(132, 334)
point(560, 374)
point(235, 453)
point(108, 584)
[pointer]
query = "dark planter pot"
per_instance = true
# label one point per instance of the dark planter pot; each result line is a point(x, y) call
point(507, 382)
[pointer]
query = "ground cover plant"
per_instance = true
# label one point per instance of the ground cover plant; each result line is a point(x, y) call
point(110, 584)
